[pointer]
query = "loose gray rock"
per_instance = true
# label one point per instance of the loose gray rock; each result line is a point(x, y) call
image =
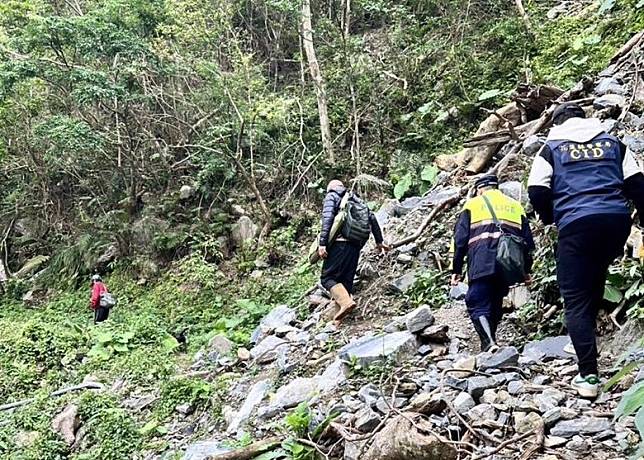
point(268, 349)
point(281, 315)
point(204, 449)
point(554, 441)
point(552, 416)
point(404, 283)
point(481, 414)
point(549, 399)
point(383, 405)
point(547, 349)
point(407, 438)
point(609, 101)
point(514, 189)
point(185, 409)
point(578, 445)
point(436, 333)
point(463, 403)
point(533, 144)
point(541, 380)
point(635, 144)
point(220, 345)
point(367, 350)
point(526, 422)
point(367, 420)
point(519, 296)
point(254, 398)
point(609, 85)
point(503, 357)
point(424, 350)
point(333, 376)
point(419, 319)
point(405, 259)
point(477, 385)
point(369, 394)
point(411, 248)
point(441, 194)
point(186, 192)
point(244, 231)
point(458, 292)
point(66, 423)
point(584, 425)
point(295, 392)
point(352, 450)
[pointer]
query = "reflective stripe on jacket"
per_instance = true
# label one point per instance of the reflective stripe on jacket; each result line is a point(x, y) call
point(476, 235)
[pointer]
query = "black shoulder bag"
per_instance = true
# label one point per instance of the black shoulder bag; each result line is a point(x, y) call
point(510, 253)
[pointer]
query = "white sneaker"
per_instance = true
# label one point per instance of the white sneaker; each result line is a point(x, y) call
point(570, 349)
point(587, 387)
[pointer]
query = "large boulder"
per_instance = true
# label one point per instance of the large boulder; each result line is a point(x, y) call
point(244, 231)
point(401, 439)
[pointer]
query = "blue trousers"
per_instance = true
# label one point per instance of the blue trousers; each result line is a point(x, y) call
point(485, 298)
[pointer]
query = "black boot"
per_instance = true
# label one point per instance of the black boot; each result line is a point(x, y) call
point(482, 327)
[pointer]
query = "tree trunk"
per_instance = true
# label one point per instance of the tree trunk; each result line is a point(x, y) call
point(316, 74)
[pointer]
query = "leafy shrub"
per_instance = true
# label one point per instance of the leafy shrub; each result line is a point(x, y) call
point(111, 432)
point(430, 288)
point(195, 392)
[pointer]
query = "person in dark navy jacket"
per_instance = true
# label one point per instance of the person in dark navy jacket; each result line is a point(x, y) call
point(582, 181)
point(476, 237)
point(340, 253)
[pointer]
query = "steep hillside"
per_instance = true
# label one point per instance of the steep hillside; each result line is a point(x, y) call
point(178, 148)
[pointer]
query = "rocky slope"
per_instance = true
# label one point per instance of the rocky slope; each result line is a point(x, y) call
point(402, 378)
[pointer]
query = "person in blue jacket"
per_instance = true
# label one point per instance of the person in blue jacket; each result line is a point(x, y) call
point(341, 255)
point(476, 237)
point(582, 181)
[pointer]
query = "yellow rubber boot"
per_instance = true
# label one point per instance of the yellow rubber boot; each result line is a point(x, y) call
point(343, 299)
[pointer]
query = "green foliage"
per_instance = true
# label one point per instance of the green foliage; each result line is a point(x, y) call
point(195, 392)
point(111, 432)
point(299, 420)
point(109, 343)
point(430, 288)
point(625, 285)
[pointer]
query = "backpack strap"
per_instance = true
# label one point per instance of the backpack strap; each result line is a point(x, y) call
point(345, 200)
point(494, 218)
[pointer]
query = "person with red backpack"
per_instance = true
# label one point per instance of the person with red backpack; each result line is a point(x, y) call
point(101, 312)
point(341, 251)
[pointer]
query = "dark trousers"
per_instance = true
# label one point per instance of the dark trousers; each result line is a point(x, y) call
point(485, 298)
point(584, 254)
point(341, 265)
point(101, 314)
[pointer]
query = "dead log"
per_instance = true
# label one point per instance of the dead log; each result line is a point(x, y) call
point(498, 137)
point(625, 50)
point(251, 451)
point(62, 391)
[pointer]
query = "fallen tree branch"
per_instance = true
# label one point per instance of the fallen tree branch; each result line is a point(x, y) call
point(62, 391)
point(505, 444)
point(249, 452)
point(444, 205)
point(538, 442)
